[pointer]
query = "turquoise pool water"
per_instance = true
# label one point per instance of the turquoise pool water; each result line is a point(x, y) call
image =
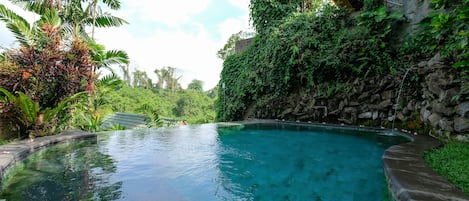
point(258, 162)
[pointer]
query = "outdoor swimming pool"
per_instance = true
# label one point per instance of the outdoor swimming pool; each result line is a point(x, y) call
point(204, 162)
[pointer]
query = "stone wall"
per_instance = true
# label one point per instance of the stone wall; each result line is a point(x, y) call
point(431, 100)
point(241, 45)
point(414, 12)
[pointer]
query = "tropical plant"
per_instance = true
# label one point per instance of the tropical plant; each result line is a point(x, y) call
point(106, 59)
point(75, 15)
point(87, 113)
point(33, 119)
point(26, 34)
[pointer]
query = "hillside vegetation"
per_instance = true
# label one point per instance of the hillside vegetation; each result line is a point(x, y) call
point(309, 53)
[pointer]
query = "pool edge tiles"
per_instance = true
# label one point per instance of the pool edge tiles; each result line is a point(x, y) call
point(14, 152)
point(410, 178)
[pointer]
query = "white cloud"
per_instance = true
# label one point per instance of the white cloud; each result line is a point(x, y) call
point(232, 26)
point(193, 54)
point(243, 4)
point(170, 13)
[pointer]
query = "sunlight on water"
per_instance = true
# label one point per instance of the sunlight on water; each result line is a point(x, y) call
point(257, 162)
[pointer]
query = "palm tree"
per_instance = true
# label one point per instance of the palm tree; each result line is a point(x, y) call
point(105, 59)
point(24, 32)
point(113, 4)
point(75, 15)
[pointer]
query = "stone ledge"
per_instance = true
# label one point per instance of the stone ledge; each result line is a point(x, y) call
point(410, 178)
point(14, 152)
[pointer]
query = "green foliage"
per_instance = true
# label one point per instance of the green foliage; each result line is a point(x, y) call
point(302, 51)
point(33, 119)
point(117, 127)
point(451, 161)
point(87, 115)
point(155, 121)
point(445, 31)
point(193, 106)
point(196, 85)
point(267, 14)
point(26, 109)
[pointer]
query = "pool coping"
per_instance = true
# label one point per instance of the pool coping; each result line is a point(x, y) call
point(14, 152)
point(408, 176)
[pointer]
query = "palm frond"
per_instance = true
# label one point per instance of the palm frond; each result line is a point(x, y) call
point(113, 4)
point(50, 17)
point(20, 28)
point(115, 57)
point(29, 108)
point(112, 81)
point(106, 20)
point(23, 35)
point(50, 113)
point(37, 7)
point(9, 96)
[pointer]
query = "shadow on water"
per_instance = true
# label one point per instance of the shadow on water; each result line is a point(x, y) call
point(69, 171)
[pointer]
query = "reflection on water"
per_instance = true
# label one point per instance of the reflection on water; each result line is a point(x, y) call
point(71, 171)
point(206, 163)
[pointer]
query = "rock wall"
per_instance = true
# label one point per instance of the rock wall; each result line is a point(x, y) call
point(432, 99)
point(414, 12)
point(241, 45)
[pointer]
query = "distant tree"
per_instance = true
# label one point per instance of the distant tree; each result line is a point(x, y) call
point(160, 81)
point(229, 47)
point(196, 85)
point(125, 73)
point(141, 79)
point(167, 78)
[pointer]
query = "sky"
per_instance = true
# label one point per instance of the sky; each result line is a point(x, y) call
point(184, 34)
